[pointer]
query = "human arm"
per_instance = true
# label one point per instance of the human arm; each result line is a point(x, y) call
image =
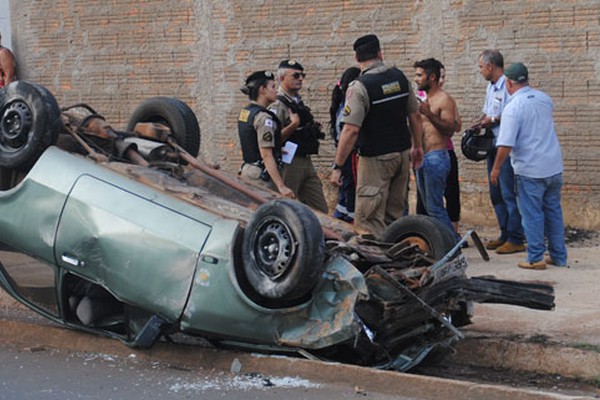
point(348, 139)
point(501, 156)
point(416, 129)
point(266, 154)
point(7, 66)
point(287, 130)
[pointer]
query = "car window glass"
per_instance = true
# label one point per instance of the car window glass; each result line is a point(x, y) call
point(31, 278)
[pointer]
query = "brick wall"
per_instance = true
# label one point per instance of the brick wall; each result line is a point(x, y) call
point(113, 54)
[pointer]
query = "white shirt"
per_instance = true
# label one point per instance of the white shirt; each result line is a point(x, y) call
point(527, 126)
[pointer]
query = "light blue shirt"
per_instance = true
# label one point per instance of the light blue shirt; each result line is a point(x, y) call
point(527, 126)
point(496, 98)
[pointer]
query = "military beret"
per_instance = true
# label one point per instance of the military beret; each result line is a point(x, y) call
point(366, 48)
point(258, 75)
point(291, 64)
point(366, 41)
point(517, 72)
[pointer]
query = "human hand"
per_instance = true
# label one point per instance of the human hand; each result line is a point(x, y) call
point(294, 119)
point(336, 177)
point(494, 174)
point(424, 106)
point(416, 157)
point(287, 192)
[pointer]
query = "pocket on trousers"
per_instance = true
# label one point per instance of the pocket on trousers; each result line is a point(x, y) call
point(368, 201)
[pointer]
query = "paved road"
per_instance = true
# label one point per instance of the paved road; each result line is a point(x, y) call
point(59, 375)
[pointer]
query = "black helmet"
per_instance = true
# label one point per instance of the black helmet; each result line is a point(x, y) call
point(476, 147)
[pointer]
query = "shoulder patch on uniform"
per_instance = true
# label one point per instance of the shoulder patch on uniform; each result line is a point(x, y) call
point(269, 122)
point(392, 87)
point(244, 114)
point(267, 136)
point(347, 110)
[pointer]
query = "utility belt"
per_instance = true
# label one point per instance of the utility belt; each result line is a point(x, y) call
point(262, 174)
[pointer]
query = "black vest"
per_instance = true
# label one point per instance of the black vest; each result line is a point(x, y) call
point(385, 128)
point(247, 132)
point(308, 133)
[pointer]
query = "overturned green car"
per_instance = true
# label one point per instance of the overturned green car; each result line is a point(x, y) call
point(125, 233)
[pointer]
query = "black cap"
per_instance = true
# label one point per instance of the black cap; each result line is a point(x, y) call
point(259, 75)
point(291, 64)
point(366, 47)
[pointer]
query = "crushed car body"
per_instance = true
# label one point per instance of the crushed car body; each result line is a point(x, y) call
point(128, 235)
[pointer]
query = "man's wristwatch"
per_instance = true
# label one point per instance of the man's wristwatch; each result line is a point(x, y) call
point(335, 166)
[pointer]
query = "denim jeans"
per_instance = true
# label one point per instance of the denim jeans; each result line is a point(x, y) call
point(431, 183)
point(504, 200)
point(539, 202)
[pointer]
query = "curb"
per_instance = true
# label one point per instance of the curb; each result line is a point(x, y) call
point(25, 335)
point(548, 358)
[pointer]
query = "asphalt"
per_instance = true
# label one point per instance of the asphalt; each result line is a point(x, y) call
point(564, 341)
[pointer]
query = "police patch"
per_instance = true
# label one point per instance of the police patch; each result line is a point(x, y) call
point(244, 114)
point(392, 87)
point(347, 110)
point(267, 136)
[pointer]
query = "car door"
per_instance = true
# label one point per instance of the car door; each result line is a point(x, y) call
point(131, 243)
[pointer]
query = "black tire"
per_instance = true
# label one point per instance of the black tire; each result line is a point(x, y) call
point(432, 236)
point(175, 114)
point(29, 124)
point(283, 250)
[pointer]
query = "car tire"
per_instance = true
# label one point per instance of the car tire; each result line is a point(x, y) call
point(175, 114)
point(30, 122)
point(433, 237)
point(283, 250)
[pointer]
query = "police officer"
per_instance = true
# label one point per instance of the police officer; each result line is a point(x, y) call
point(299, 127)
point(260, 134)
point(378, 106)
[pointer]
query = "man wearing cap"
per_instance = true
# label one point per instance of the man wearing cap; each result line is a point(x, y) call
point(527, 134)
point(299, 127)
point(381, 116)
point(260, 134)
point(503, 196)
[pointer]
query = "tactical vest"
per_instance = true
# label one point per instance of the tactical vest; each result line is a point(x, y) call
point(308, 133)
point(248, 134)
point(385, 128)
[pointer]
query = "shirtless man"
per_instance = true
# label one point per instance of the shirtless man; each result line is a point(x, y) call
point(440, 120)
point(7, 65)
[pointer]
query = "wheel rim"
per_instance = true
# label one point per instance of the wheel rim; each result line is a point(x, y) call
point(274, 248)
point(16, 125)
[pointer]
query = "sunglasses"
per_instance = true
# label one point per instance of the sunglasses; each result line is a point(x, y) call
point(297, 75)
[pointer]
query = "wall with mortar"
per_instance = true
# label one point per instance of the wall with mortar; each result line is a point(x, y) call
point(113, 54)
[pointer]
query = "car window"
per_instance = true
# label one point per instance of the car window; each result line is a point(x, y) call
point(32, 279)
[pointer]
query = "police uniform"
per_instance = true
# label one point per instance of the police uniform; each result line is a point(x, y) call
point(379, 102)
point(258, 128)
point(300, 175)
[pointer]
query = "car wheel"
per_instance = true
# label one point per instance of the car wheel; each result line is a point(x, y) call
point(175, 114)
point(432, 237)
point(29, 123)
point(283, 250)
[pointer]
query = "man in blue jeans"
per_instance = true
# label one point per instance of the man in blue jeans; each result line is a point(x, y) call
point(502, 195)
point(440, 119)
point(527, 134)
